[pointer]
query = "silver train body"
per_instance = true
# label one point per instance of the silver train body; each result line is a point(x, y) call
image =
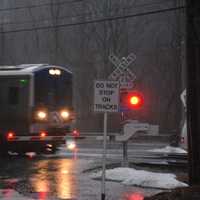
point(35, 107)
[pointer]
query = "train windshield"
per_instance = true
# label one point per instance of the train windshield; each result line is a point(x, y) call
point(53, 90)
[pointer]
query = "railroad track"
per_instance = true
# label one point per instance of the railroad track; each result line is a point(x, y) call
point(176, 160)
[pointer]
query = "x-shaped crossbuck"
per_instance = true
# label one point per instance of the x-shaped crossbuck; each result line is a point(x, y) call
point(122, 67)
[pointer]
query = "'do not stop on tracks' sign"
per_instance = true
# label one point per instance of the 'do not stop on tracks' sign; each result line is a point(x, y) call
point(106, 96)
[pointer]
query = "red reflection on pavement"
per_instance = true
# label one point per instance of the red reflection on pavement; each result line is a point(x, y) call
point(62, 181)
point(7, 193)
point(75, 154)
point(136, 196)
point(42, 195)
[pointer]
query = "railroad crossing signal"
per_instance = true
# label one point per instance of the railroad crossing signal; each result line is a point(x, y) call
point(131, 100)
point(122, 73)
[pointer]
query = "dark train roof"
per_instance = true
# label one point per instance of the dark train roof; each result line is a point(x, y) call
point(27, 69)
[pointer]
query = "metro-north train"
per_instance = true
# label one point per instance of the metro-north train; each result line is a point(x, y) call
point(36, 111)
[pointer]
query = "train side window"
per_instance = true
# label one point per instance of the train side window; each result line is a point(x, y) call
point(13, 95)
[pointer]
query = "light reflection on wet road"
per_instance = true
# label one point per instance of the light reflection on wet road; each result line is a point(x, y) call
point(58, 179)
point(39, 178)
point(55, 176)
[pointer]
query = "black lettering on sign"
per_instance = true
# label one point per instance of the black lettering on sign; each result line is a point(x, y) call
point(106, 107)
point(101, 92)
point(106, 92)
point(111, 85)
point(106, 99)
point(99, 85)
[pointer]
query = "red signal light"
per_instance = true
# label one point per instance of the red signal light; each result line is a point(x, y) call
point(135, 100)
point(131, 100)
point(10, 135)
point(75, 133)
point(43, 134)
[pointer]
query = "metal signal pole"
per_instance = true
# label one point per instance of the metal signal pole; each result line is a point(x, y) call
point(193, 89)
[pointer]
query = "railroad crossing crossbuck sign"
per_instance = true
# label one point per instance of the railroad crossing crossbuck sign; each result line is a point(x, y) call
point(122, 73)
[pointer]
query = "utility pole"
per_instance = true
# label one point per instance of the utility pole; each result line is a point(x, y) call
point(193, 89)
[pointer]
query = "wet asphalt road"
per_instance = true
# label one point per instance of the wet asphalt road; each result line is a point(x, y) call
point(42, 178)
point(39, 178)
point(58, 178)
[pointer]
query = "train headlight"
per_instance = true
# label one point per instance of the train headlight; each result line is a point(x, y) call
point(64, 114)
point(52, 72)
point(41, 115)
point(71, 145)
point(55, 72)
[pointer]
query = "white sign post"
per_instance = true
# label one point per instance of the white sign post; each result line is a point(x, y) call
point(106, 99)
point(103, 179)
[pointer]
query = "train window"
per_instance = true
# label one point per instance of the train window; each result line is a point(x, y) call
point(13, 95)
point(53, 91)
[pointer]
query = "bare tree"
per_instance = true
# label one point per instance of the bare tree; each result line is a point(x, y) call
point(98, 40)
point(153, 38)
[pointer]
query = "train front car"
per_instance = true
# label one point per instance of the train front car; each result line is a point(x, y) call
point(36, 108)
point(52, 113)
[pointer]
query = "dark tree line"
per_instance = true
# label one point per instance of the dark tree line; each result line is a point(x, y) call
point(155, 39)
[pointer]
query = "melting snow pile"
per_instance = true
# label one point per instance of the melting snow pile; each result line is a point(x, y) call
point(130, 176)
point(168, 149)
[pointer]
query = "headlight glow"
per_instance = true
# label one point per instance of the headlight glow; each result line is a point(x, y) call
point(64, 114)
point(56, 72)
point(41, 115)
point(52, 72)
point(71, 145)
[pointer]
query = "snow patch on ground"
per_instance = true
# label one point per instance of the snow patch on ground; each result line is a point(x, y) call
point(168, 149)
point(130, 176)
